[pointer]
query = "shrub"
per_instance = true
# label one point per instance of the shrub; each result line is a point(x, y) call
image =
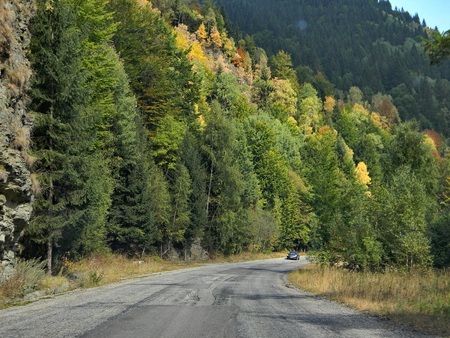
point(24, 279)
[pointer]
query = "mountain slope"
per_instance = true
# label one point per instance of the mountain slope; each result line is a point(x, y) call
point(361, 43)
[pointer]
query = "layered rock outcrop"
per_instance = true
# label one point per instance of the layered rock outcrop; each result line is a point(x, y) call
point(16, 195)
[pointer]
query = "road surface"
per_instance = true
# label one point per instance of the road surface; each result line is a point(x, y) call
point(251, 300)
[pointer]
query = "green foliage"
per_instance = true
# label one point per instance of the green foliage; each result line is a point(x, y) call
point(180, 192)
point(355, 95)
point(282, 67)
point(191, 158)
point(438, 48)
point(264, 227)
point(293, 233)
point(310, 109)
point(130, 222)
point(270, 165)
point(139, 151)
point(262, 88)
point(408, 148)
point(226, 90)
point(440, 239)
point(352, 45)
point(160, 74)
point(324, 178)
point(159, 206)
point(231, 187)
point(167, 141)
point(353, 237)
point(75, 174)
point(400, 215)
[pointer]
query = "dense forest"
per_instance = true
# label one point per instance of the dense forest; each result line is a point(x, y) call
point(158, 128)
point(366, 44)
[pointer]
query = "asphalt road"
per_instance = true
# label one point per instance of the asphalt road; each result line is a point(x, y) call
point(251, 300)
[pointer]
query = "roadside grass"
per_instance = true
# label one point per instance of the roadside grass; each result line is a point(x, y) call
point(29, 282)
point(25, 279)
point(420, 299)
point(246, 257)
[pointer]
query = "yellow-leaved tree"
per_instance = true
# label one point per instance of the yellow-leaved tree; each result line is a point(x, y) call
point(362, 174)
point(201, 33)
point(186, 41)
point(328, 105)
point(215, 39)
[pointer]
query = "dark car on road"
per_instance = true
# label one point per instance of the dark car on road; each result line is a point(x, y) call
point(293, 255)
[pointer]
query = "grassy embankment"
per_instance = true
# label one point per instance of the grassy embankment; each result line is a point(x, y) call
point(421, 299)
point(30, 282)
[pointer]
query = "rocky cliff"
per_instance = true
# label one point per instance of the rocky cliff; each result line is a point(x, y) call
point(16, 195)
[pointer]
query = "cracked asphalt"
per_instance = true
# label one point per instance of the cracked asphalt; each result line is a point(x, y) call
point(250, 300)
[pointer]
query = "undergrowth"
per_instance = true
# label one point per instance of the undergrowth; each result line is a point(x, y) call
point(24, 279)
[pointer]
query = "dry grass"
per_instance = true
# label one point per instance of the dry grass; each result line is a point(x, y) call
point(420, 299)
point(15, 77)
point(22, 139)
point(25, 279)
point(29, 159)
point(247, 256)
point(53, 283)
point(95, 271)
point(35, 184)
point(110, 268)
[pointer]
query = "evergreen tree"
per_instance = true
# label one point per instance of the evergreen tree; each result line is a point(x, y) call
point(227, 211)
point(192, 160)
point(131, 226)
point(325, 181)
point(76, 75)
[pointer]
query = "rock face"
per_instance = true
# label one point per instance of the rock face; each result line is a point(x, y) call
point(16, 195)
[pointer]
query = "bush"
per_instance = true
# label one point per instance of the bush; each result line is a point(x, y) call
point(24, 279)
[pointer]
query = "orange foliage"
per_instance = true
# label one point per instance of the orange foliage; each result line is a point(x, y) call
point(238, 60)
point(382, 105)
point(326, 130)
point(437, 139)
point(329, 104)
point(387, 109)
point(195, 6)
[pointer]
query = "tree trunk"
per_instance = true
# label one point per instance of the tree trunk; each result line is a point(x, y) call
point(49, 257)
point(209, 190)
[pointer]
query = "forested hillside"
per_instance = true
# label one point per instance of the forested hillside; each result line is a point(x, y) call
point(156, 132)
point(366, 43)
